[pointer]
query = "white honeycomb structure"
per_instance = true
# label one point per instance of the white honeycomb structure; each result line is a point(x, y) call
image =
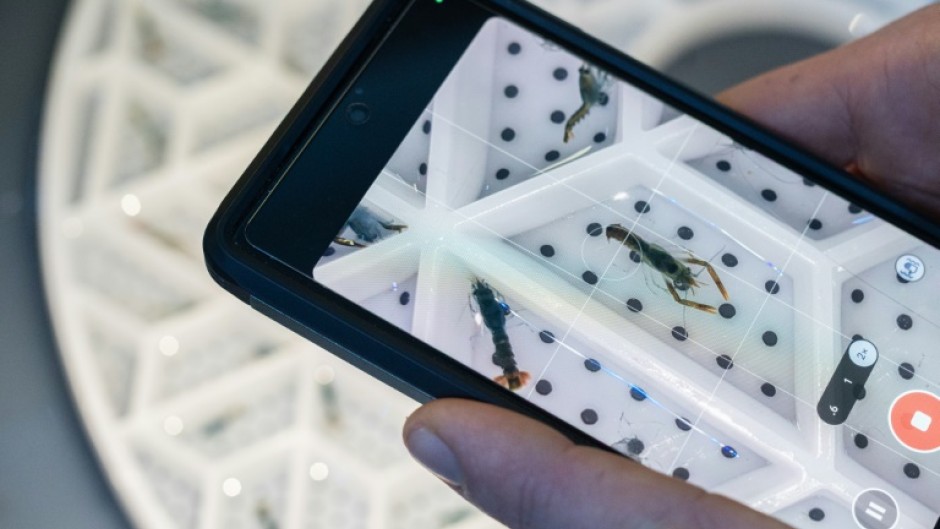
point(206, 415)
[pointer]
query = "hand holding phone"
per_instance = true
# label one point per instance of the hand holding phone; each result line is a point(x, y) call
point(533, 220)
point(523, 473)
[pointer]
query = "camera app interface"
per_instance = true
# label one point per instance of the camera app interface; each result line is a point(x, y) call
point(681, 298)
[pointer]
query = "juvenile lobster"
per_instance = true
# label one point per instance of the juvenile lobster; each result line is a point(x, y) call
point(493, 311)
point(676, 274)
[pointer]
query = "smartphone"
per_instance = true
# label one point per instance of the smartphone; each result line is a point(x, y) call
point(474, 199)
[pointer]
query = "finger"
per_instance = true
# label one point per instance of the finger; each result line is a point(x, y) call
point(527, 475)
point(870, 105)
point(805, 102)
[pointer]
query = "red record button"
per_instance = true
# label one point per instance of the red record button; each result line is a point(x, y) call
point(915, 421)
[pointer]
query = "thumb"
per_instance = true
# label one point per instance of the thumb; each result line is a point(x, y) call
point(528, 475)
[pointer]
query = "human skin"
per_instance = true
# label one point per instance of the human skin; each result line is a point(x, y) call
point(873, 107)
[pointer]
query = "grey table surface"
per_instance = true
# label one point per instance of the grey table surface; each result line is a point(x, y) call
point(49, 477)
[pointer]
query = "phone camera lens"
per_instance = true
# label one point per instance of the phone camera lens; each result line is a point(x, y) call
point(358, 113)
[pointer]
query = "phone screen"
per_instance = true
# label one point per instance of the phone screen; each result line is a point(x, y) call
point(679, 297)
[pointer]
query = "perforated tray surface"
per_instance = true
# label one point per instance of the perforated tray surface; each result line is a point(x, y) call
point(206, 415)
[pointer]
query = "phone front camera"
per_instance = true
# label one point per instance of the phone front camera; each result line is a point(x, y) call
point(358, 113)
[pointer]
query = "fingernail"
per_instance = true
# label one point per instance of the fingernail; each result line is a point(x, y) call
point(435, 455)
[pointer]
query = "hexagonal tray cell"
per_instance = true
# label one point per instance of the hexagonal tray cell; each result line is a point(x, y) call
point(820, 511)
point(383, 279)
point(167, 218)
point(207, 348)
point(253, 103)
point(135, 281)
point(238, 420)
point(635, 415)
point(796, 201)
point(409, 165)
point(500, 118)
point(239, 18)
point(420, 501)
point(116, 356)
point(144, 129)
point(168, 50)
point(369, 226)
point(748, 340)
point(358, 414)
point(177, 493)
point(86, 126)
point(311, 31)
point(900, 318)
point(261, 501)
point(337, 495)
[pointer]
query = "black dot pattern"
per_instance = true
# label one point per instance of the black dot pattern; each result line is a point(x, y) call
point(547, 337)
point(589, 277)
point(547, 250)
point(769, 338)
point(557, 116)
point(594, 229)
point(592, 365)
point(603, 99)
point(404, 298)
point(508, 134)
point(683, 424)
point(768, 389)
point(905, 322)
point(560, 74)
point(589, 416)
point(680, 333)
point(858, 296)
point(600, 137)
point(635, 256)
point(912, 471)
point(815, 224)
point(502, 174)
point(723, 166)
point(729, 452)
point(543, 387)
point(681, 473)
point(816, 514)
point(426, 127)
point(727, 311)
point(641, 207)
point(514, 48)
point(725, 362)
point(634, 305)
point(685, 233)
point(861, 441)
point(423, 169)
point(729, 260)
point(906, 371)
point(511, 91)
point(552, 155)
point(769, 195)
point(329, 251)
point(772, 287)
point(637, 394)
point(855, 210)
point(635, 446)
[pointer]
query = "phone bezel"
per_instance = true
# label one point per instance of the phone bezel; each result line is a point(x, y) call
point(282, 291)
